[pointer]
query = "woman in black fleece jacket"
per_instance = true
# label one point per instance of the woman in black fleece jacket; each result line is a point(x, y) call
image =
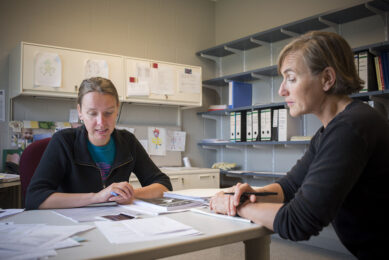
point(342, 178)
point(93, 163)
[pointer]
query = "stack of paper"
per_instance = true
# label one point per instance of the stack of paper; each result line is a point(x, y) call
point(193, 194)
point(166, 204)
point(7, 177)
point(87, 214)
point(29, 241)
point(137, 230)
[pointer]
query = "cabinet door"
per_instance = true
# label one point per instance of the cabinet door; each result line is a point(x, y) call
point(203, 180)
point(162, 83)
point(178, 182)
point(73, 63)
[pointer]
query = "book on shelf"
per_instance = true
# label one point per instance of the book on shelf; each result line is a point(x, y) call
point(239, 94)
point(217, 107)
point(166, 204)
point(366, 71)
point(300, 138)
point(379, 73)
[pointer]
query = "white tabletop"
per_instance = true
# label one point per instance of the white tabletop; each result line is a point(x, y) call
point(216, 232)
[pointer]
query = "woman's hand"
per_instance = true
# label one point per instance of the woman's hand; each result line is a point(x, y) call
point(123, 190)
point(227, 204)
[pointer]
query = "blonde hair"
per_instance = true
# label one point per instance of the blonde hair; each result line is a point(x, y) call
point(326, 49)
point(97, 84)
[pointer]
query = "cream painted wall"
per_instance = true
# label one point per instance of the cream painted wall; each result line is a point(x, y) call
point(235, 19)
point(167, 30)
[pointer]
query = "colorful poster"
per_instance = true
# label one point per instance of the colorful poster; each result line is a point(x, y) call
point(157, 140)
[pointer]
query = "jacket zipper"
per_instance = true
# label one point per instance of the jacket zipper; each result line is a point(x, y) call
point(113, 168)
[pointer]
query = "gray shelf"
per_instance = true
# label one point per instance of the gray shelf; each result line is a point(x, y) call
point(339, 16)
point(237, 144)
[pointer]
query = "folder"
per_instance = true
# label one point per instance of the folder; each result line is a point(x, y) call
point(274, 128)
point(249, 126)
point(287, 125)
point(366, 71)
point(255, 121)
point(240, 126)
point(239, 94)
point(232, 127)
point(266, 124)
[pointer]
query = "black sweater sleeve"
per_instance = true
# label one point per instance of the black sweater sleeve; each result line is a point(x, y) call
point(317, 186)
point(48, 174)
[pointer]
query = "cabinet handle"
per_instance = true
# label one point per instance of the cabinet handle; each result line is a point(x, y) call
point(205, 176)
point(75, 88)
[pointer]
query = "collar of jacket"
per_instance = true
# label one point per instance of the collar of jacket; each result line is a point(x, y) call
point(81, 152)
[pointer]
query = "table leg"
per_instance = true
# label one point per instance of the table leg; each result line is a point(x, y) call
point(257, 248)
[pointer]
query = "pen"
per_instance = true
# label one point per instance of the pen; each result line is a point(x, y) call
point(114, 193)
point(245, 195)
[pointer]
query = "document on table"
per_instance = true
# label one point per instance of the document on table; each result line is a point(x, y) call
point(90, 214)
point(137, 230)
point(20, 241)
point(207, 211)
point(9, 212)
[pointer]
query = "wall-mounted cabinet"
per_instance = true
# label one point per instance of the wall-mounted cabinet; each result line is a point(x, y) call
point(51, 71)
point(149, 81)
point(25, 65)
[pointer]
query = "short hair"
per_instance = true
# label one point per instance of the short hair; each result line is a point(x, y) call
point(97, 84)
point(326, 49)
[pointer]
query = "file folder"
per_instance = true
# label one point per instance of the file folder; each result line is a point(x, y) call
point(287, 125)
point(239, 94)
point(274, 128)
point(240, 126)
point(266, 124)
point(249, 126)
point(232, 127)
point(256, 125)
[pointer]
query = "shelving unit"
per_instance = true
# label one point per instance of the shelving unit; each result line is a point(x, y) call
point(238, 51)
point(245, 59)
point(317, 22)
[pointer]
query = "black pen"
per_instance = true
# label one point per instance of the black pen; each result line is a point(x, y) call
point(245, 195)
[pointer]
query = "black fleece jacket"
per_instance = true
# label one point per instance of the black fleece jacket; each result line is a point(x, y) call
point(66, 166)
point(342, 179)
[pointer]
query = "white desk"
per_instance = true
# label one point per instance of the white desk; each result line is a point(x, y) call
point(216, 231)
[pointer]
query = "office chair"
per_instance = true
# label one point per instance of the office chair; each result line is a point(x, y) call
point(29, 160)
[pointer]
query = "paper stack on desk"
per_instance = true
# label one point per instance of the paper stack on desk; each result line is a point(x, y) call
point(7, 177)
point(33, 241)
point(137, 230)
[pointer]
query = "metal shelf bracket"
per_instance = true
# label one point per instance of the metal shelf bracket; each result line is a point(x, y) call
point(236, 51)
point(289, 33)
point(259, 42)
point(258, 76)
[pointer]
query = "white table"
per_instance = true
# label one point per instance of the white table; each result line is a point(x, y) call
point(217, 232)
